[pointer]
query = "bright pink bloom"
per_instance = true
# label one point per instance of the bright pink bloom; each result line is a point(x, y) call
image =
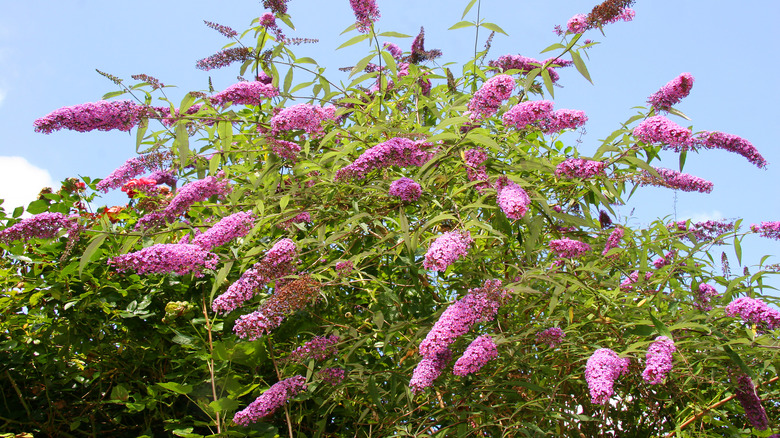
point(527, 113)
point(446, 249)
point(103, 115)
point(703, 296)
point(344, 268)
point(568, 248)
point(366, 13)
point(671, 93)
point(613, 241)
point(561, 119)
point(40, 226)
point(707, 230)
point(196, 191)
point(677, 180)
point(428, 369)
point(731, 143)
point(489, 97)
point(164, 258)
point(394, 50)
point(770, 230)
point(659, 360)
point(133, 167)
point(578, 23)
point(319, 348)
point(334, 376)
point(751, 403)
point(406, 189)
point(552, 336)
point(304, 116)
point(245, 93)
point(579, 168)
point(512, 199)
point(224, 58)
point(227, 229)
point(477, 354)
point(397, 151)
point(272, 399)
point(601, 371)
point(754, 311)
point(479, 305)
point(659, 129)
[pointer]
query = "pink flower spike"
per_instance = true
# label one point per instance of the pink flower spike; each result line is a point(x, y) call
point(659, 129)
point(731, 143)
point(271, 400)
point(477, 354)
point(366, 12)
point(446, 249)
point(601, 371)
point(671, 93)
point(489, 97)
point(659, 360)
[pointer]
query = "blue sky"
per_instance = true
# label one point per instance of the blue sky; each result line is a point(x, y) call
point(49, 52)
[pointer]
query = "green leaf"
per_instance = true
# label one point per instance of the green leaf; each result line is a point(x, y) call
point(182, 142)
point(461, 24)
point(113, 94)
point(93, 246)
point(494, 27)
point(288, 80)
point(738, 249)
point(556, 46)
point(468, 8)
point(176, 387)
point(220, 278)
point(224, 405)
point(661, 327)
point(18, 212)
point(38, 206)
point(354, 40)
point(580, 64)
point(141, 133)
point(548, 82)
point(120, 393)
point(394, 35)
point(738, 360)
point(305, 60)
point(361, 65)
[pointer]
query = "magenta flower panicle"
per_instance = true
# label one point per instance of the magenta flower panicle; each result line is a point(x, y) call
point(675, 180)
point(579, 168)
point(659, 360)
point(271, 400)
point(751, 403)
point(613, 241)
point(601, 371)
point(552, 336)
point(479, 352)
point(527, 114)
point(103, 115)
point(366, 13)
point(227, 229)
point(406, 189)
point(660, 130)
point(704, 294)
point(770, 230)
point(40, 226)
point(164, 258)
point(428, 369)
point(569, 248)
point(132, 168)
point(319, 348)
point(304, 117)
point(446, 249)
point(731, 143)
point(512, 199)
point(671, 93)
point(489, 97)
point(245, 93)
point(754, 311)
point(397, 151)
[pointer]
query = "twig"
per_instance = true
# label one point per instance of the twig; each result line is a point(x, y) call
point(279, 377)
point(19, 393)
point(211, 361)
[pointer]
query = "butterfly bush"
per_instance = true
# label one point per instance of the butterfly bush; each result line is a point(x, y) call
point(195, 191)
point(446, 249)
point(526, 114)
point(245, 93)
point(579, 168)
point(489, 97)
point(671, 93)
point(569, 248)
point(562, 119)
point(552, 336)
point(40, 226)
point(334, 376)
point(676, 180)
point(479, 352)
point(397, 151)
point(344, 268)
point(601, 371)
point(278, 262)
point(428, 369)
point(479, 305)
point(731, 143)
point(272, 399)
point(512, 199)
point(751, 403)
point(304, 117)
point(224, 58)
point(319, 348)
point(613, 241)
point(134, 167)
point(366, 12)
point(286, 300)
point(227, 229)
point(660, 130)
point(609, 11)
point(659, 360)
point(525, 64)
point(406, 189)
point(754, 311)
point(702, 231)
point(165, 258)
point(770, 230)
point(104, 115)
point(704, 294)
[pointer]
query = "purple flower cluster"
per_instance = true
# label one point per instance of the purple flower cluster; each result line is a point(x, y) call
point(731, 143)
point(226, 31)
point(271, 400)
point(579, 168)
point(228, 228)
point(527, 113)
point(754, 311)
point(628, 283)
point(163, 258)
point(344, 268)
point(475, 157)
point(666, 260)
point(394, 50)
point(561, 119)
point(304, 116)
point(704, 294)
point(671, 93)
point(196, 191)
point(268, 21)
point(578, 23)
point(446, 249)
point(103, 115)
point(319, 348)
point(581, 22)
point(659, 129)
point(569, 248)
point(406, 189)
point(131, 168)
point(488, 98)
point(245, 93)
point(751, 403)
point(552, 336)
point(334, 376)
point(601, 371)
point(286, 300)
point(397, 151)
point(770, 230)
point(659, 360)
point(476, 170)
point(224, 58)
point(525, 64)
point(366, 13)
point(299, 218)
point(613, 241)
point(477, 354)
point(707, 230)
point(428, 369)
point(284, 149)
point(41, 226)
point(278, 262)
point(276, 6)
point(479, 305)
point(512, 199)
point(677, 180)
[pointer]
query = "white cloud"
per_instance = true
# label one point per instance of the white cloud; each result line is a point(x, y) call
point(2, 96)
point(714, 215)
point(20, 182)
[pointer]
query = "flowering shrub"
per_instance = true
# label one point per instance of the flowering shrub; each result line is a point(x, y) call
point(278, 270)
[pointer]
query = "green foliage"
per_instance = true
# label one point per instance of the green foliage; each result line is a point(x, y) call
point(88, 350)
